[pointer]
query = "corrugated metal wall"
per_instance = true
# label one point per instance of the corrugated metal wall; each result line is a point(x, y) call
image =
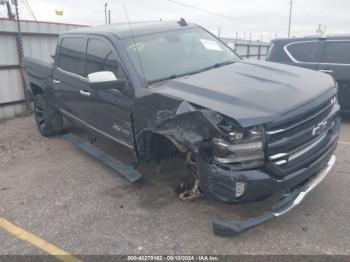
point(39, 41)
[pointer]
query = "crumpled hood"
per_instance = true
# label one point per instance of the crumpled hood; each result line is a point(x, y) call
point(251, 92)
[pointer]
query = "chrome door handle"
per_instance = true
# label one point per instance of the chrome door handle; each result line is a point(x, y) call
point(56, 81)
point(326, 71)
point(84, 93)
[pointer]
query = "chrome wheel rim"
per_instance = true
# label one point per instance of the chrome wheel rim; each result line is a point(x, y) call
point(39, 116)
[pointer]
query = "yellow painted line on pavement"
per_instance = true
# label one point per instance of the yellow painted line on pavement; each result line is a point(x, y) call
point(37, 241)
point(344, 142)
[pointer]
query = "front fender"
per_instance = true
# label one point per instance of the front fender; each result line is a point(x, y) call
point(185, 125)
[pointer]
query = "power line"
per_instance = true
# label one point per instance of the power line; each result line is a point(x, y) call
point(27, 5)
point(218, 14)
point(290, 17)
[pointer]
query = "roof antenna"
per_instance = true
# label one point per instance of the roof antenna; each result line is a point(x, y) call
point(134, 43)
point(182, 22)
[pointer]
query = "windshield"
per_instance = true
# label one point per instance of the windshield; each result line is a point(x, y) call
point(176, 53)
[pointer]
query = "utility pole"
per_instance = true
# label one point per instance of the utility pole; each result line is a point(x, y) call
point(219, 33)
point(319, 30)
point(21, 53)
point(106, 13)
point(10, 15)
point(290, 16)
point(109, 16)
point(19, 33)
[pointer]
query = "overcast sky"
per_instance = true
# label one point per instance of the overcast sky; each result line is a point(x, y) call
point(266, 17)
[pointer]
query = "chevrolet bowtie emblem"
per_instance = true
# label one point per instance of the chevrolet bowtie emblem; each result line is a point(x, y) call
point(320, 127)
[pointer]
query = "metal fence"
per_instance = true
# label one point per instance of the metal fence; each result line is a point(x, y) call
point(39, 41)
point(249, 49)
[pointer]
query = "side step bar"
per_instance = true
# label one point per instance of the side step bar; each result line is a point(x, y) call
point(127, 171)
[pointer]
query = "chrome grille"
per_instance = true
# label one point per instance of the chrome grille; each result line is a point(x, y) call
point(292, 143)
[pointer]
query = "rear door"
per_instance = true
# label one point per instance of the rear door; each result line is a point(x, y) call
point(108, 111)
point(336, 61)
point(305, 53)
point(68, 75)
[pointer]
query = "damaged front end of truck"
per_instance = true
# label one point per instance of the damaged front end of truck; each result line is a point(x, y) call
point(224, 161)
point(201, 136)
point(205, 139)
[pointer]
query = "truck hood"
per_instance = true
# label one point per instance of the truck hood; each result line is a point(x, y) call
point(252, 92)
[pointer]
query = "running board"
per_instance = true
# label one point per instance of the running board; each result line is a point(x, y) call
point(127, 171)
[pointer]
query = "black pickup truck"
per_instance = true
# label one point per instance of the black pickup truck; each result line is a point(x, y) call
point(245, 129)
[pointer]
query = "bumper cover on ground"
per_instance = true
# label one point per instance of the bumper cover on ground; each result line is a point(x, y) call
point(223, 227)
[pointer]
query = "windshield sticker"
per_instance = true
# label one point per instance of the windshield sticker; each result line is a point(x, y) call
point(137, 46)
point(211, 45)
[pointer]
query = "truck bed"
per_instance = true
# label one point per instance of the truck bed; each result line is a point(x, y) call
point(39, 72)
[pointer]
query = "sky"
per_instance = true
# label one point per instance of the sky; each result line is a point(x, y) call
point(248, 18)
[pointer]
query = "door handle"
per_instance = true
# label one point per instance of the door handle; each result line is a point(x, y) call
point(326, 71)
point(55, 81)
point(84, 93)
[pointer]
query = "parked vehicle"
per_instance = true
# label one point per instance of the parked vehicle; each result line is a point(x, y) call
point(246, 129)
point(328, 54)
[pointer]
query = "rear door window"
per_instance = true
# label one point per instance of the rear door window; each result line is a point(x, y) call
point(71, 54)
point(305, 51)
point(337, 52)
point(100, 56)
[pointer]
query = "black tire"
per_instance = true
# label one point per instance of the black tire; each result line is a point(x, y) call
point(48, 120)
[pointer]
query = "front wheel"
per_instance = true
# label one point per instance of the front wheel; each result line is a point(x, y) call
point(48, 120)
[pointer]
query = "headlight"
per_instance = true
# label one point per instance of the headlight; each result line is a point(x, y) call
point(241, 149)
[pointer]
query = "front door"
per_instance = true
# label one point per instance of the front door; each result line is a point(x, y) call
point(108, 111)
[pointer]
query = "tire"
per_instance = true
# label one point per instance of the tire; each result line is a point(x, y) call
point(48, 120)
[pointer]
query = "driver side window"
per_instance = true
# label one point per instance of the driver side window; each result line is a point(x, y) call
point(101, 57)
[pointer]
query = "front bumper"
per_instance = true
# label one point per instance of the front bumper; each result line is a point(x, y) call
point(222, 227)
point(218, 184)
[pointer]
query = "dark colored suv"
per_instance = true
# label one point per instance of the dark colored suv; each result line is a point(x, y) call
point(328, 54)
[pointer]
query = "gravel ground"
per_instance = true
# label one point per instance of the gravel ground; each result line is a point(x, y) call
point(52, 189)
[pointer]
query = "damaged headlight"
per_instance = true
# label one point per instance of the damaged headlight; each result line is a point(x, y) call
point(240, 149)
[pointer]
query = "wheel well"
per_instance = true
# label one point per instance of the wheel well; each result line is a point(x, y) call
point(161, 147)
point(36, 89)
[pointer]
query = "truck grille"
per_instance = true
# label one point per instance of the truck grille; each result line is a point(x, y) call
point(298, 142)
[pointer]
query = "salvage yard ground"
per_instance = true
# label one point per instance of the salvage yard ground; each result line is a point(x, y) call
point(51, 192)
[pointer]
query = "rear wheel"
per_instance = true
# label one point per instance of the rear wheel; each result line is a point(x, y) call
point(48, 120)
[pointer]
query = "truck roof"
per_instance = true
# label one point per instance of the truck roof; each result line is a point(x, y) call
point(122, 30)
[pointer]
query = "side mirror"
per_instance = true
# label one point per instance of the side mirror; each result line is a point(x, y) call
point(231, 45)
point(106, 80)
